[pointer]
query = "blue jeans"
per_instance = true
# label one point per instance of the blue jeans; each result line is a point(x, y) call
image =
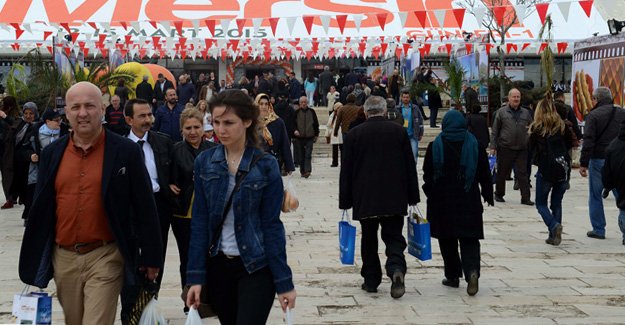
point(414, 144)
point(552, 215)
point(595, 201)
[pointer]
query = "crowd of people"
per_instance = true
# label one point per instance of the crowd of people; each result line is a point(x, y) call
point(103, 184)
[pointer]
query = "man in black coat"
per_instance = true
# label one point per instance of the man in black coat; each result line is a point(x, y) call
point(613, 175)
point(377, 157)
point(93, 223)
point(144, 90)
point(160, 89)
point(326, 79)
point(157, 150)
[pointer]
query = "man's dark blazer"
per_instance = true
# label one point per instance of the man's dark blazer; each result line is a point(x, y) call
point(158, 94)
point(128, 201)
point(163, 146)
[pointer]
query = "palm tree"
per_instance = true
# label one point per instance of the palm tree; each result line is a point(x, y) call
point(453, 84)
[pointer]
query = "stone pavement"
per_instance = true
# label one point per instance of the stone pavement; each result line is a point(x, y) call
point(523, 280)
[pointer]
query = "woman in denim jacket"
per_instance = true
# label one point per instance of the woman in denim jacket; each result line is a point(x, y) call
point(243, 263)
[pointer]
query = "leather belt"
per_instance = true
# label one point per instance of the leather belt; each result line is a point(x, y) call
point(84, 248)
point(230, 257)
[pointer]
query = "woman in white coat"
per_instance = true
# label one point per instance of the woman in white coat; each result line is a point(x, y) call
point(336, 141)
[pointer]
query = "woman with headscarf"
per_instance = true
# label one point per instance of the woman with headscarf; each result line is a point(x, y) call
point(456, 170)
point(336, 141)
point(274, 137)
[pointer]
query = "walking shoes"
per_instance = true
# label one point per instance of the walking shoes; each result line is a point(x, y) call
point(473, 285)
point(398, 288)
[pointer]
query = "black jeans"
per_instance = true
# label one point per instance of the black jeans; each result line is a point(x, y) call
point(335, 153)
point(239, 298)
point(506, 158)
point(296, 154)
point(468, 260)
point(433, 116)
point(181, 228)
point(395, 242)
point(305, 148)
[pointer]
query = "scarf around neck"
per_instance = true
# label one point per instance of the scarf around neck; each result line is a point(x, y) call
point(455, 130)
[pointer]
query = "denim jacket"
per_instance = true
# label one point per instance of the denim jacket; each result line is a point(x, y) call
point(259, 232)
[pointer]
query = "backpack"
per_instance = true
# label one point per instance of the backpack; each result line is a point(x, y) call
point(555, 164)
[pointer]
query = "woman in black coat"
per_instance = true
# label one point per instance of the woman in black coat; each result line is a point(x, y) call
point(274, 137)
point(454, 165)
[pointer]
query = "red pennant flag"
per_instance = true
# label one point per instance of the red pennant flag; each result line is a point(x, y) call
point(81, 45)
point(543, 46)
point(124, 52)
point(46, 35)
point(49, 49)
point(541, 9)
point(459, 14)
point(375, 53)
point(93, 25)
point(315, 46)
point(241, 24)
point(68, 51)
point(406, 48)
point(562, 47)
point(101, 38)
point(234, 44)
point(308, 21)
point(177, 45)
point(361, 47)
point(183, 42)
point(124, 24)
point(383, 47)
point(38, 44)
point(153, 23)
point(210, 24)
point(499, 12)
point(422, 16)
point(15, 46)
point(382, 19)
point(74, 37)
point(525, 45)
point(587, 6)
point(128, 39)
point(85, 52)
point(209, 42)
point(398, 52)
point(66, 26)
point(245, 55)
point(105, 52)
point(156, 41)
point(488, 48)
point(331, 39)
point(448, 47)
point(511, 46)
point(183, 54)
point(178, 24)
point(18, 30)
point(273, 22)
point(268, 55)
point(142, 53)
point(341, 20)
point(469, 48)
point(288, 53)
point(425, 50)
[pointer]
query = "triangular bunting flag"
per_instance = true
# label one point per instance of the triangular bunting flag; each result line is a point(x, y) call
point(256, 23)
point(234, 43)
point(106, 26)
point(46, 35)
point(92, 24)
point(290, 23)
point(166, 25)
point(341, 20)
point(153, 23)
point(75, 37)
point(240, 24)
point(382, 19)
point(49, 49)
point(459, 14)
point(15, 46)
point(183, 42)
point(541, 9)
point(325, 23)
point(499, 13)
point(18, 30)
point(520, 10)
point(178, 25)
point(273, 22)
point(479, 13)
point(105, 52)
point(85, 52)
point(123, 23)
point(66, 26)
point(210, 24)
point(543, 46)
point(489, 47)
point(136, 26)
point(383, 47)
point(403, 16)
point(196, 26)
point(128, 39)
point(448, 47)
point(421, 17)
point(357, 21)
point(308, 21)
point(440, 16)
point(67, 50)
point(510, 47)
point(587, 6)
point(406, 48)
point(156, 41)
point(225, 24)
point(525, 45)
point(565, 7)
point(425, 50)
point(26, 27)
point(562, 46)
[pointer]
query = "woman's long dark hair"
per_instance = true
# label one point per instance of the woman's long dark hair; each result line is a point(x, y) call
point(243, 107)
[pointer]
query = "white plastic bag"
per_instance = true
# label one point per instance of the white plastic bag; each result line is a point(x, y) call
point(288, 316)
point(152, 314)
point(193, 318)
point(290, 202)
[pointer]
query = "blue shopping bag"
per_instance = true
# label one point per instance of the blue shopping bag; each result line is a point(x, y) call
point(347, 239)
point(492, 163)
point(32, 308)
point(419, 244)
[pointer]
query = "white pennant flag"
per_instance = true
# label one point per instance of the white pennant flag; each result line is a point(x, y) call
point(520, 12)
point(357, 21)
point(403, 16)
point(196, 27)
point(290, 23)
point(166, 25)
point(564, 8)
point(105, 26)
point(136, 26)
point(479, 12)
point(440, 16)
point(256, 22)
point(88, 36)
point(325, 22)
point(26, 27)
point(225, 25)
point(142, 41)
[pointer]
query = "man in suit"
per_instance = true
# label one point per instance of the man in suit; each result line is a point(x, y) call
point(144, 90)
point(157, 149)
point(93, 222)
point(326, 79)
point(160, 89)
point(377, 157)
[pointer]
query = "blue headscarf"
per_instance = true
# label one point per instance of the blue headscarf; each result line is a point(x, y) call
point(455, 130)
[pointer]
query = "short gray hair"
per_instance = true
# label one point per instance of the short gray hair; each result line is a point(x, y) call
point(375, 106)
point(603, 94)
